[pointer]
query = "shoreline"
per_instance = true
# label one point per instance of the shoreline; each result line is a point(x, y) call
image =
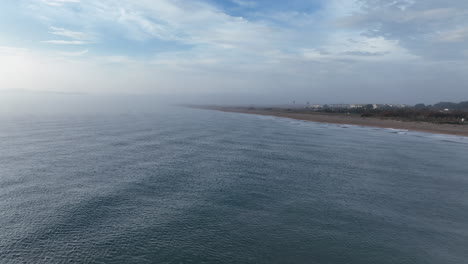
point(446, 129)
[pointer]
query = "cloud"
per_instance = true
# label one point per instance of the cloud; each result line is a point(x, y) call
point(73, 54)
point(346, 47)
point(75, 37)
point(59, 2)
point(457, 35)
point(70, 34)
point(423, 27)
point(419, 28)
point(189, 23)
point(7, 50)
point(65, 42)
point(246, 4)
point(355, 47)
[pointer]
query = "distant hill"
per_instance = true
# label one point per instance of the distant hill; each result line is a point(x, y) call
point(452, 106)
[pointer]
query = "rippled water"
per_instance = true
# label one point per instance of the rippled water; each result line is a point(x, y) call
point(198, 186)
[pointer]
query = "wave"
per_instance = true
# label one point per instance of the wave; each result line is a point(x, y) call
point(398, 131)
point(448, 138)
point(431, 136)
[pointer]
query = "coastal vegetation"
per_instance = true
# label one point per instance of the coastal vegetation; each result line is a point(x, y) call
point(421, 115)
point(432, 119)
point(443, 113)
point(440, 113)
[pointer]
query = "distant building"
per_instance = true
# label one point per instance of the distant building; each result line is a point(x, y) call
point(356, 106)
point(353, 106)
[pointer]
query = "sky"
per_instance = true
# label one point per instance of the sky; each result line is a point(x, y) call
point(275, 51)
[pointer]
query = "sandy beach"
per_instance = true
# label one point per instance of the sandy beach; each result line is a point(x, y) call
point(449, 129)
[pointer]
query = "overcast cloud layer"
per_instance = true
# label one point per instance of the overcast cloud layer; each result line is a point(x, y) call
point(401, 51)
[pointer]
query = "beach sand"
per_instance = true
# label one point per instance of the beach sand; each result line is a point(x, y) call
point(449, 129)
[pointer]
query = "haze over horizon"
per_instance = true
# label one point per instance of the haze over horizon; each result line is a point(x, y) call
point(335, 51)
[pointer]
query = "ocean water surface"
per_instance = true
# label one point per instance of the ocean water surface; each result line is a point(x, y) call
point(198, 186)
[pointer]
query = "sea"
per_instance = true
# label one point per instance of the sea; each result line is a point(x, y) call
point(182, 185)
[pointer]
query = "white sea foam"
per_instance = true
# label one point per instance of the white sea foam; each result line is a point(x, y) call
point(448, 138)
point(432, 136)
point(397, 131)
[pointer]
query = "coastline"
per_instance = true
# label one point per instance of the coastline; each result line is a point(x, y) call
point(447, 129)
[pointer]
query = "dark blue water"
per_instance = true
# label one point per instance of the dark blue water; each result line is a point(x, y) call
point(198, 186)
